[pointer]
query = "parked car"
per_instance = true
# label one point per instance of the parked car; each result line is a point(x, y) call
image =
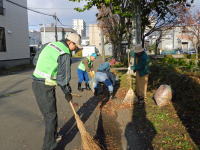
point(88, 50)
point(192, 51)
point(179, 51)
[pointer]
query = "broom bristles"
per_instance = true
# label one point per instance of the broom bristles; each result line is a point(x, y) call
point(88, 143)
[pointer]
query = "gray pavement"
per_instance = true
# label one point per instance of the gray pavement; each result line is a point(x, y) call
point(22, 127)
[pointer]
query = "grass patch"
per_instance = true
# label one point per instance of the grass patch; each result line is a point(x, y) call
point(176, 126)
point(182, 117)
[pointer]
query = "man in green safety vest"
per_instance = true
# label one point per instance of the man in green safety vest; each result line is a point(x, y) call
point(53, 67)
point(84, 67)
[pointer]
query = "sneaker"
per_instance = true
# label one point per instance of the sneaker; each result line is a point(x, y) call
point(87, 86)
point(58, 138)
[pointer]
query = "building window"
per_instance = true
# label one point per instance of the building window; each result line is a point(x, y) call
point(2, 40)
point(1, 7)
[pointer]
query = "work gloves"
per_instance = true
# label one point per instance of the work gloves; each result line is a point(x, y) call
point(69, 88)
point(68, 97)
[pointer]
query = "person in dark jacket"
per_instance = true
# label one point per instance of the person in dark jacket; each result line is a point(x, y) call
point(53, 67)
point(103, 75)
point(141, 67)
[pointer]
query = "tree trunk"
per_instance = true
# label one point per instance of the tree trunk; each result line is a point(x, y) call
point(197, 55)
point(156, 48)
point(114, 50)
point(138, 22)
point(157, 42)
point(143, 41)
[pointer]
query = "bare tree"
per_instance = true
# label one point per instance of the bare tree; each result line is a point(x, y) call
point(157, 23)
point(115, 27)
point(191, 29)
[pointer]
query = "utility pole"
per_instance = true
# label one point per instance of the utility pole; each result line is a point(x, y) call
point(44, 33)
point(102, 45)
point(56, 34)
point(173, 38)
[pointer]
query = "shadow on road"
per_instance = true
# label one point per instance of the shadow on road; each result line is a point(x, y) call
point(10, 93)
point(69, 130)
point(140, 131)
point(108, 132)
point(13, 85)
point(5, 92)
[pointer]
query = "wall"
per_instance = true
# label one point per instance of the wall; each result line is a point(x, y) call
point(15, 21)
point(34, 38)
point(173, 39)
point(95, 36)
point(108, 49)
point(50, 37)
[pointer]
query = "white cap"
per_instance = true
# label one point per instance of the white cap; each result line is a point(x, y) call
point(138, 48)
point(76, 38)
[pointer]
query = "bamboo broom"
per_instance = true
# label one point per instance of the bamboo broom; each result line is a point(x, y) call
point(88, 143)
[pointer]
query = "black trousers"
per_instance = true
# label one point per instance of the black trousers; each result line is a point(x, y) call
point(46, 100)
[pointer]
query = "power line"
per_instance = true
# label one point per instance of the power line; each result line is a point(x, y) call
point(65, 25)
point(29, 8)
point(24, 7)
point(54, 16)
point(55, 8)
point(51, 8)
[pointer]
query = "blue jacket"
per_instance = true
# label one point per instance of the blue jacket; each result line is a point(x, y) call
point(142, 64)
point(105, 68)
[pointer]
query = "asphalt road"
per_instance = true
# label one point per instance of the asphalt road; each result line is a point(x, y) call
point(22, 126)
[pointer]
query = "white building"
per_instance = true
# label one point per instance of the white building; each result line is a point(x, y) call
point(85, 41)
point(48, 33)
point(95, 36)
point(80, 27)
point(14, 41)
point(173, 39)
point(34, 38)
point(95, 39)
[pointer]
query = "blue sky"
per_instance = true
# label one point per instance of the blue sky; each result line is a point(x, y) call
point(63, 9)
point(65, 12)
point(196, 5)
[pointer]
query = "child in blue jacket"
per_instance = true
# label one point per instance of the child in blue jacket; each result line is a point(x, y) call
point(103, 75)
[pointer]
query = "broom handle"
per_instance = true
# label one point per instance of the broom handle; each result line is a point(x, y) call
point(76, 95)
point(130, 81)
point(72, 108)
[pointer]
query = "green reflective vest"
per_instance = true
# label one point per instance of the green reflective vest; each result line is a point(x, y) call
point(47, 64)
point(82, 66)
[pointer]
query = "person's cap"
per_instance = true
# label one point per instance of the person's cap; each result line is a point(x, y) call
point(75, 38)
point(94, 55)
point(138, 48)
